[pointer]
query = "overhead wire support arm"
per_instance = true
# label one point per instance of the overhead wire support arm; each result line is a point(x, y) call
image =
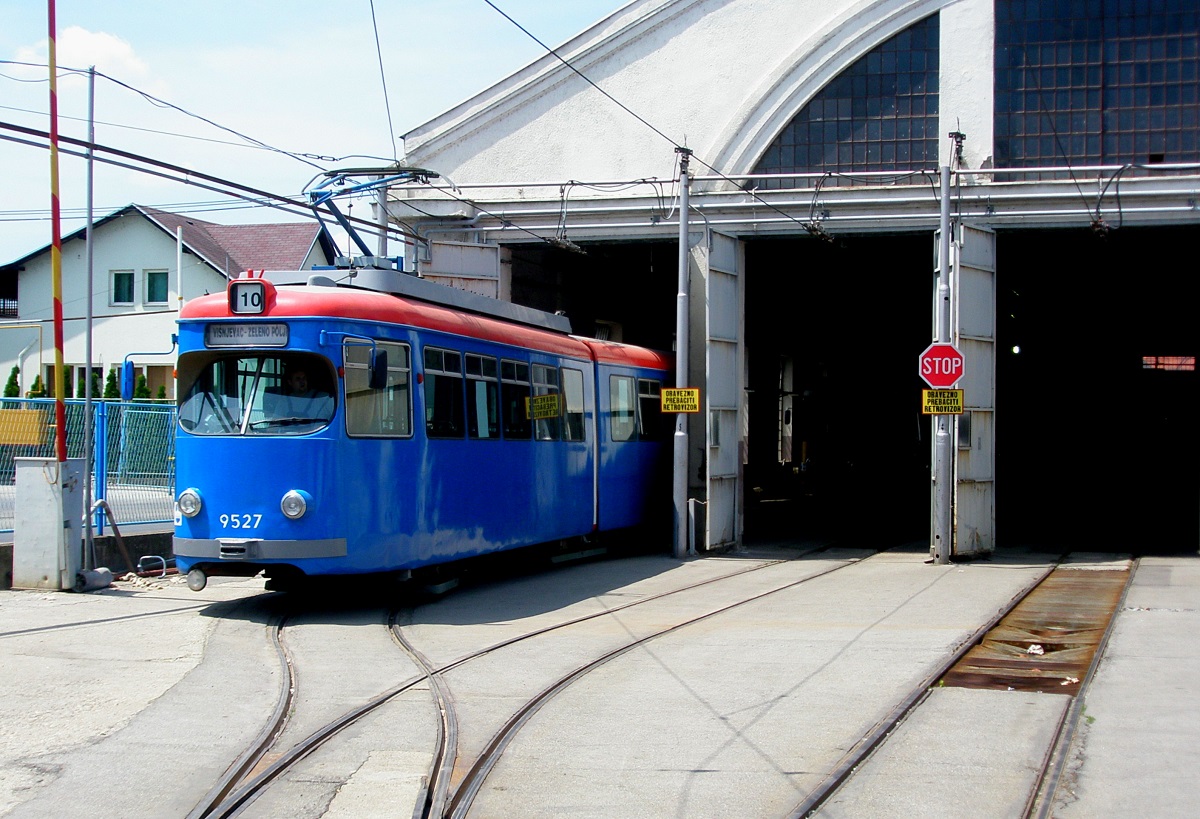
point(336, 184)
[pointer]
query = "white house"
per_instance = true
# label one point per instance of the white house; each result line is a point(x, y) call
point(139, 285)
point(1071, 135)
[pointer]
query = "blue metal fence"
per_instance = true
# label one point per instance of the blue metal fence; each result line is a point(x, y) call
point(134, 441)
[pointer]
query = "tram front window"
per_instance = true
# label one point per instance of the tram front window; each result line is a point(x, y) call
point(247, 394)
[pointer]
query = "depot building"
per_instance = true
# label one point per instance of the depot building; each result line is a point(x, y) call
point(816, 134)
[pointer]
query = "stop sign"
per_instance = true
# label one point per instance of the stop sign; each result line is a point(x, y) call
point(941, 365)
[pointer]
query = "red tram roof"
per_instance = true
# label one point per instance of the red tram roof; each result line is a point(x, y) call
point(369, 305)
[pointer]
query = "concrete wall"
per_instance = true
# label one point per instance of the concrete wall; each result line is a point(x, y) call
point(108, 553)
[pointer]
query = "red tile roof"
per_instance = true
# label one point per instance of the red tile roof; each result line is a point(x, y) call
point(236, 248)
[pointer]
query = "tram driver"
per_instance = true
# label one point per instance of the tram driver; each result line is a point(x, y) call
point(302, 399)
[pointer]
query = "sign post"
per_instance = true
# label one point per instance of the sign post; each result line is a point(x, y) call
point(941, 365)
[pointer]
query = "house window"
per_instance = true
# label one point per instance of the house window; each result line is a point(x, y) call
point(156, 287)
point(122, 287)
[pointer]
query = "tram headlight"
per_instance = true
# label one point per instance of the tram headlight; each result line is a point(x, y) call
point(190, 503)
point(294, 504)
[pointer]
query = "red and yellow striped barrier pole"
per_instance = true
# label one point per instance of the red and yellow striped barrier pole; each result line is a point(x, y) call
point(60, 407)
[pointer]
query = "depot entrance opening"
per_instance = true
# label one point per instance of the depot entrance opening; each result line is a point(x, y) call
point(838, 448)
point(1097, 445)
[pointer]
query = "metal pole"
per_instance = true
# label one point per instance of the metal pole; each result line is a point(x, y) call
point(178, 299)
point(943, 444)
point(89, 548)
point(382, 218)
point(680, 475)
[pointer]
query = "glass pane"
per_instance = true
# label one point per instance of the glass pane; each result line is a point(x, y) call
point(255, 394)
point(386, 412)
point(890, 86)
point(156, 286)
point(122, 287)
point(1097, 75)
point(573, 429)
point(622, 412)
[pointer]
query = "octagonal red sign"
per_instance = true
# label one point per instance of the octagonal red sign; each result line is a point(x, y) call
point(941, 365)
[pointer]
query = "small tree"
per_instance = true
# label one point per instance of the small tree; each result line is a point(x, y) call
point(13, 388)
point(67, 387)
point(142, 390)
point(37, 390)
point(111, 390)
point(162, 392)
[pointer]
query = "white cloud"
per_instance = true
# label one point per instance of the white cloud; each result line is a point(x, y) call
point(78, 48)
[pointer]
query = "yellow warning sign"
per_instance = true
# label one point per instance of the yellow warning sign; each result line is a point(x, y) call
point(542, 406)
point(941, 402)
point(685, 399)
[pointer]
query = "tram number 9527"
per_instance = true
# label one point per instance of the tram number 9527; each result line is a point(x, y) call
point(240, 521)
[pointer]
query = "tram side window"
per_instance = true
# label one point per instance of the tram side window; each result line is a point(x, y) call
point(483, 397)
point(546, 406)
point(650, 417)
point(572, 382)
point(386, 412)
point(622, 407)
point(514, 396)
point(443, 393)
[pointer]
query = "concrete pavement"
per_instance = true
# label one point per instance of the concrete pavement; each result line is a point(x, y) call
point(152, 690)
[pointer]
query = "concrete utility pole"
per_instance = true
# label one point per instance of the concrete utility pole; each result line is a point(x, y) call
point(943, 443)
point(680, 475)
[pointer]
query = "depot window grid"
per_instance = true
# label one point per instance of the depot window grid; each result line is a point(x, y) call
point(880, 114)
point(1096, 82)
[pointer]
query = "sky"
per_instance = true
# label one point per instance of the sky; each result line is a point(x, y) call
point(300, 76)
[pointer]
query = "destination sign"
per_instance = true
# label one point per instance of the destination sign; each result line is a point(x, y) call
point(684, 399)
point(259, 334)
point(941, 402)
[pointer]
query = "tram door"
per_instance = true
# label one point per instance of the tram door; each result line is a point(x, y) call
point(724, 376)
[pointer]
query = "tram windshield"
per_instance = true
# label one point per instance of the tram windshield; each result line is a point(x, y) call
point(255, 394)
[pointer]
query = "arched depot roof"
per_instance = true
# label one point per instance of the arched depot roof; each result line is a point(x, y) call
point(722, 77)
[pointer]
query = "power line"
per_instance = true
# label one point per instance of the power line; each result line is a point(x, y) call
point(811, 227)
point(146, 130)
point(387, 106)
point(185, 176)
point(160, 103)
point(585, 78)
point(164, 104)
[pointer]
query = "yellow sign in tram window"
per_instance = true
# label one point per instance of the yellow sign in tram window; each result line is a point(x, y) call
point(941, 402)
point(685, 399)
point(542, 406)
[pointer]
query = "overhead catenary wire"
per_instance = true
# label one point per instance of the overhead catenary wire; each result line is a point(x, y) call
point(810, 227)
point(188, 176)
point(247, 141)
point(387, 106)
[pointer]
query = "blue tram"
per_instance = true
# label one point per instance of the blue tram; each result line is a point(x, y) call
point(333, 430)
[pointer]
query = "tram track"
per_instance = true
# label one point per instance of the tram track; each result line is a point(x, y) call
point(251, 774)
point(456, 775)
point(1039, 801)
point(221, 793)
point(460, 802)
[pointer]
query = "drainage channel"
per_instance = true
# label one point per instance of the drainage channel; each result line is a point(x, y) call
point(1047, 642)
